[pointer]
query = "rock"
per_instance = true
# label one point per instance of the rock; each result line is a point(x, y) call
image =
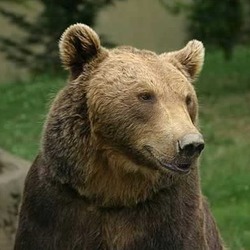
point(13, 171)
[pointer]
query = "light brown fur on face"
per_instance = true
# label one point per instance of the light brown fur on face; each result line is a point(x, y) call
point(118, 165)
point(133, 124)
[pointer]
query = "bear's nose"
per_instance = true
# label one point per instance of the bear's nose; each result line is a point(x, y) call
point(191, 145)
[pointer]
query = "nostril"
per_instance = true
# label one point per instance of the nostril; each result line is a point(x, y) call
point(189, 150)
point(192, 149)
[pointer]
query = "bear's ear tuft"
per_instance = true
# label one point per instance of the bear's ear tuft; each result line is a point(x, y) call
point(191, 58)
point(78, 45)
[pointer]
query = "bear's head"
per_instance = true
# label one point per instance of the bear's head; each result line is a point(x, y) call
point(126, 121)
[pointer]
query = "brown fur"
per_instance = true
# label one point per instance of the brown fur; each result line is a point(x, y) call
point(98, 182)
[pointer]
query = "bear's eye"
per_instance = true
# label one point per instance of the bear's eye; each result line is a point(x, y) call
point(146, 97)
point(188, 100)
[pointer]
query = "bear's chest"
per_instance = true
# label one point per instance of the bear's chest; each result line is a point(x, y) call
point(150, 229)
point(137, 234)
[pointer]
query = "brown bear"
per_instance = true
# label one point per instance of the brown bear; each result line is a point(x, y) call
point(118, 163)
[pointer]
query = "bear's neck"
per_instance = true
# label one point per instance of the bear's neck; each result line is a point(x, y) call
point(116, 181)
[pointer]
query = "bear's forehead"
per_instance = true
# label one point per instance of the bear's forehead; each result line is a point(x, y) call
point(142, 67)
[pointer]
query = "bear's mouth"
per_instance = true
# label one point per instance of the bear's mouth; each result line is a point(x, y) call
point(176, 165)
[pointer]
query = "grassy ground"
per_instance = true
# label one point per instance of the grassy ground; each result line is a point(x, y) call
point(224, 93)
point(224, 90)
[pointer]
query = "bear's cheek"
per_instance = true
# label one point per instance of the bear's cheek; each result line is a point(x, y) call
point(120, 125)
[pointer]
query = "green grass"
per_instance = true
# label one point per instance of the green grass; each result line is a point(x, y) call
point(23, 108)
point(224, 93)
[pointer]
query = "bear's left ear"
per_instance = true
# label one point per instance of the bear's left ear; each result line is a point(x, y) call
point(78, 45)
point(189, 59)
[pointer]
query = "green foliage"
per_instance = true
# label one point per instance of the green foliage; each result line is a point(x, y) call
point(216, 23)
point(246, 22)
point(38, 50)
point(225, 123)
point(175, 6)
point(219, 24)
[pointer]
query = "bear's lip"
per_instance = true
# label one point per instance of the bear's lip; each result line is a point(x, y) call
point(177, 167)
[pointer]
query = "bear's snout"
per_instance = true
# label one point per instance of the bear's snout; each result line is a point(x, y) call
point(191, 145)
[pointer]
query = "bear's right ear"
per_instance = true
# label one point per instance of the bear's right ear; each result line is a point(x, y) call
point(78, 45)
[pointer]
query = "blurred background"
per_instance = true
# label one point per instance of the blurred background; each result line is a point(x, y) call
point(31, 74)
